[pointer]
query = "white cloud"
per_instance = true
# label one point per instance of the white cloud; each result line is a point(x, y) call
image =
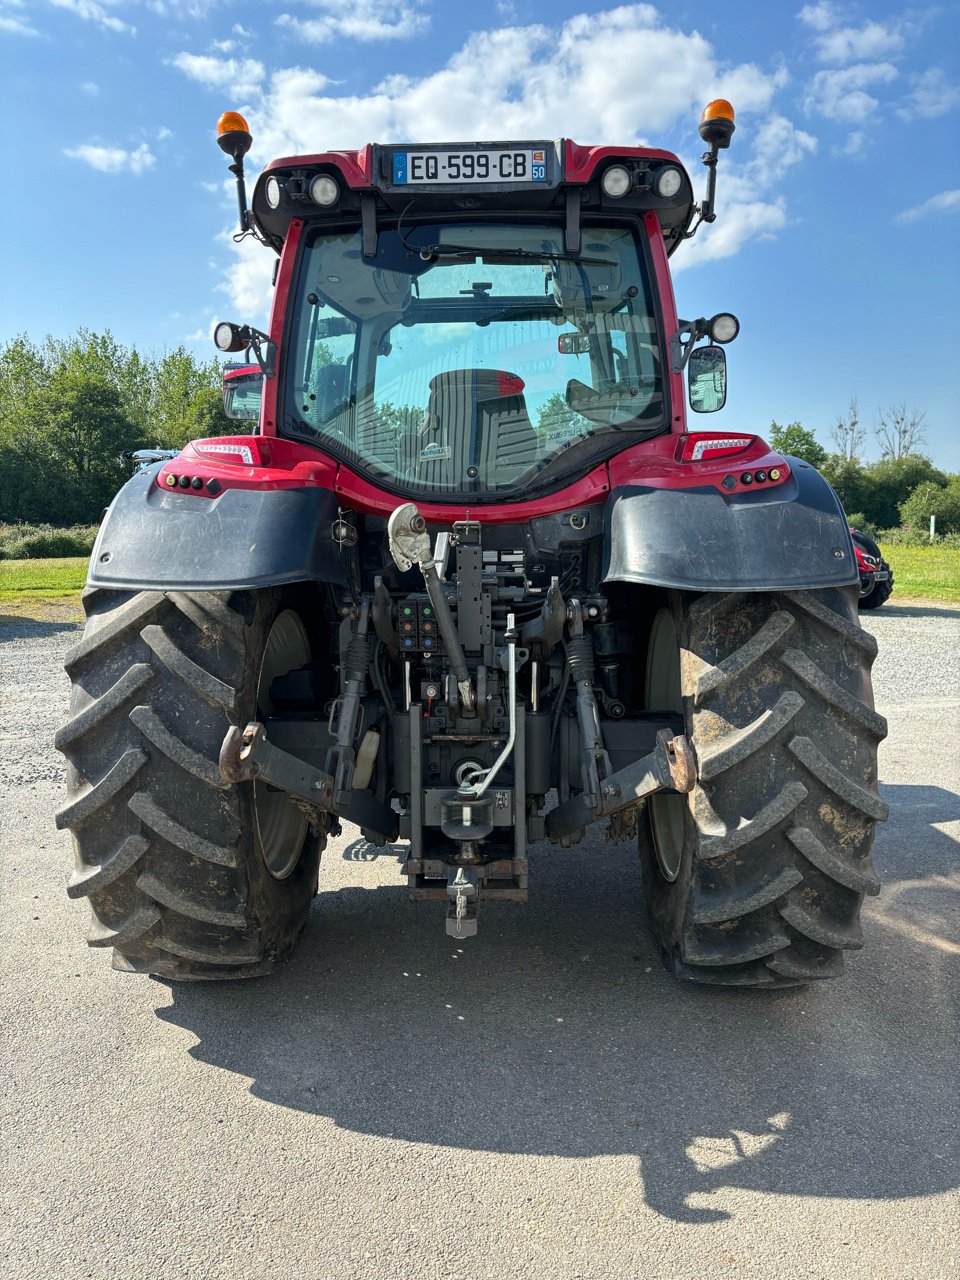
point(841, 95)
point(932, 95)
point(622, 75)
point(90, 88)
point(945, 202)
point(13, 23)
point(241, 76)
point(854, 145)
point(240, 30)
point(182, 8)
point(91, 11)
point(740, 221)
point(852, 44)
point(248, 281)
point(114, 159)
point(840, 45)
point(359, 20)
point(163, 133)
point(777, 147)
point(820, 16)
point(618, 74)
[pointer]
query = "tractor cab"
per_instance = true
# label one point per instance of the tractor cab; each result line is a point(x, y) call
point(478, 321)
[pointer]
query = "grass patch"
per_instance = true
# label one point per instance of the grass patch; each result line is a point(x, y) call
point(928, 573)
point(23, 581)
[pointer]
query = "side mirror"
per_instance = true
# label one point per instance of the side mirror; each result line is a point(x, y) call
point(707, 379)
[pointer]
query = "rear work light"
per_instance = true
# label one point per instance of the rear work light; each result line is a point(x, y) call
point(704, 446)
point(616, 181)
point(324, 190)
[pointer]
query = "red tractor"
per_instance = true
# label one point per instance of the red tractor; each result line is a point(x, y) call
point(876, 576)
point(475, 584)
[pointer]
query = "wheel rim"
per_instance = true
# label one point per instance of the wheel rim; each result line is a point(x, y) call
point(668, 813)
point(281, 827)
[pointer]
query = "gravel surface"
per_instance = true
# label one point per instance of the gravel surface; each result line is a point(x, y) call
point(542, 1102)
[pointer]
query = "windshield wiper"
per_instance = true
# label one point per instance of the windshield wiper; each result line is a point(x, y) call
point(432, 251)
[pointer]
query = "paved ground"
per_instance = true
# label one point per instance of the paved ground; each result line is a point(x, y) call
point(544, 1103)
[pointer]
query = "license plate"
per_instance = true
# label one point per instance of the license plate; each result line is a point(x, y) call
point(454, 168)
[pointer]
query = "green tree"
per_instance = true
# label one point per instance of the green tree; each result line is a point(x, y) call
point(798, 442)
point(70, 406)
point(931, 499)
point(67, 447)
point(848, 435)
point(900, 431)
point(890, 481)
point(849, 480)
point(205, 417)
point(24, 369)
point(556, 419)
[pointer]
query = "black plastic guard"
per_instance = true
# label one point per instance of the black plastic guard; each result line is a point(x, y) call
point(794, 536)
point(242, 538)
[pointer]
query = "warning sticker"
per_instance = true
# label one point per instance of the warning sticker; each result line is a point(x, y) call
point(434, 452)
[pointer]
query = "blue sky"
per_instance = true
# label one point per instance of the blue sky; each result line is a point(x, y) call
point(839, 201)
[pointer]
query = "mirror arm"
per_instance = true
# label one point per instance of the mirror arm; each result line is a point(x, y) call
point(682, 342)
point(264, 352)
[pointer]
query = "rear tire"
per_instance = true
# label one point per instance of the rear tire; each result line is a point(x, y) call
point(170, 856)
point(756, 878)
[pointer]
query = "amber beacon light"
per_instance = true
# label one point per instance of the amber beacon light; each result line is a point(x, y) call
point(716, 123)
point(716, 129)
point(233, 137)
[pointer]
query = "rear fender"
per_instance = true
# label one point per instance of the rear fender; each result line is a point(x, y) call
point(243, 538)
point(790, 537)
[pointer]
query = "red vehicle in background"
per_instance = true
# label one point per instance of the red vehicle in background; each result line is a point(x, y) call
point(478, 580)
point(876, 576)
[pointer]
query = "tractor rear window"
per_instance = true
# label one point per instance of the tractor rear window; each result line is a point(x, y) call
point(470, 359)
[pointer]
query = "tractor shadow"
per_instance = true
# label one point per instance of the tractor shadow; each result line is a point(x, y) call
point(557, 1032)
point(889, 610)
point(15, 627)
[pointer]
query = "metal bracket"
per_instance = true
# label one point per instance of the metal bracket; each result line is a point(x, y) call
point(571, 234)
point(246, 754)
point(682, 342)
point(368, 224)
point(669, 767)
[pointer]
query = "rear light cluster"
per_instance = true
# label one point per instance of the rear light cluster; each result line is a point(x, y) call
point(760, 476)
point(706, 446)
point(238, 454)
point(192, 482)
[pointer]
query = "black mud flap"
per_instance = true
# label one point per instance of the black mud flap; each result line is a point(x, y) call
point(790, 537)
